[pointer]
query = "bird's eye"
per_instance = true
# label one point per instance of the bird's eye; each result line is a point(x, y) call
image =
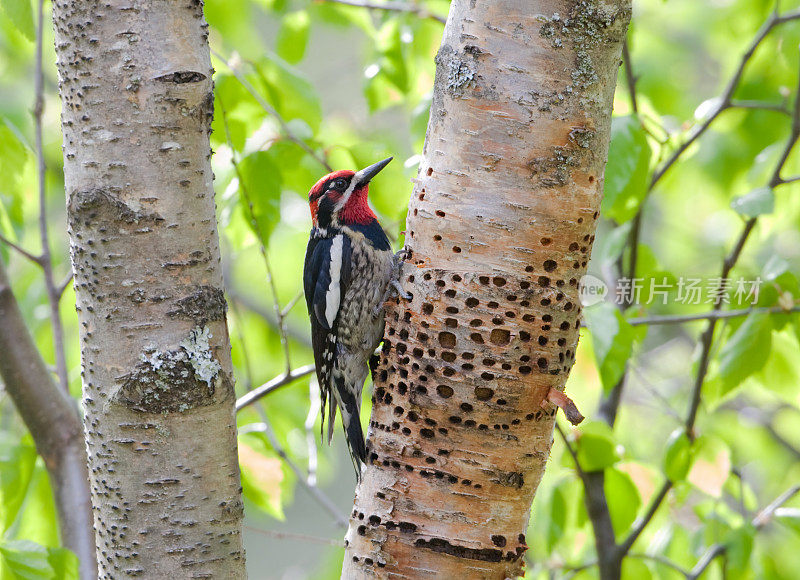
point(338, 184)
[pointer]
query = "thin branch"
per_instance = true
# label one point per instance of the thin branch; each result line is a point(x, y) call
point(660, 560)
point(52, 419)
point(273, 385)
point(295, 536)
point(705, 561)
point(45, 260)
point(233, 67)
point(759, 521)
point(725, 99)
point(22, 251)
point(266, 427)
point(712, 315)
point(629, 76)
point(409, 7)
point(61, 288)
point(765, 516)
point(761, 106)
point(639, 526)
point(707, 337)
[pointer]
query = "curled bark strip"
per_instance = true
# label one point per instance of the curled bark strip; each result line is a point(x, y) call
point(563, 402)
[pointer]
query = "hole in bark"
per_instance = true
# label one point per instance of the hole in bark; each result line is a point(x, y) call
point(427, 308)
point(427, 433)
point(499, 281)
point(447, 339)
point(449, 371)
point(544, 281)
point(528, 317)
point(500, 336)
point(448, 356)
point(524, 336)
point(484, 393)
point(437, 238)
point(573, 246)
point(451, 309)
point(476, 337)
point(487, 376)
point(542, 362)
point(444, 391)
point(450, 322)
point(525, 370)
point(484, 280)
point(439, 213)
point(450, 293)
point(456, 250)
point(466, 407)
point(549, 265)
point(564, 325)
point(412, 416)
point(471, 302)
point(430, 171)
point(492, 304)
point(476, 322)
point(546, 241)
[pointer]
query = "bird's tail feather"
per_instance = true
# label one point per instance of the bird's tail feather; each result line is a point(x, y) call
point(351, 421)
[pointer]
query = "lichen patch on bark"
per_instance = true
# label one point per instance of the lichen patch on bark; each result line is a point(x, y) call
point(173, 380)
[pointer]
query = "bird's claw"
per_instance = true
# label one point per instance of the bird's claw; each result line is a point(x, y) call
point(399, 289)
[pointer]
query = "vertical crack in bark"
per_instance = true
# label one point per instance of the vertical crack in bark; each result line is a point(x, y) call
point(500, 227)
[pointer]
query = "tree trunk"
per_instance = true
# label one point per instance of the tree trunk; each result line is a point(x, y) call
point(137, 96)
point(51, 416)
point(500, 226)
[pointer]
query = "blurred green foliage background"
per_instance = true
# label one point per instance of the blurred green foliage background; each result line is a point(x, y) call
point(301, 83)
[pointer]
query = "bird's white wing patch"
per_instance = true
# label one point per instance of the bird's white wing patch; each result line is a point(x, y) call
point(333, 295)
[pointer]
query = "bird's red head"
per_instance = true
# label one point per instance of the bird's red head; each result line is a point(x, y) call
point(341, 197)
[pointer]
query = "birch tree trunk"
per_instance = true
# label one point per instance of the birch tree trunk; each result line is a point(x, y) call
point(137, 96)
point(500, 226)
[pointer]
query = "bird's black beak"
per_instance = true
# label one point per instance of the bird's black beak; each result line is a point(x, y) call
point(364, 176)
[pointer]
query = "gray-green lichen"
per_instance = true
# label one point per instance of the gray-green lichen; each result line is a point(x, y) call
point(587, 26)
point(173, 380)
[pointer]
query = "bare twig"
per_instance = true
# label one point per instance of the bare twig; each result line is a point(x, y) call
point(295, 537)
point(725, 100)
point(266, 427)
point(410, 7)
point(22, 251)
point(640, 525)
point(762, 519)
point(287, 131)
point(707, 337)
point(45, 259)
point(712, 315)
point(273, 385)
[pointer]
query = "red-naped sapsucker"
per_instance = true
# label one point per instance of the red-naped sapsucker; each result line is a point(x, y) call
point(349, 273)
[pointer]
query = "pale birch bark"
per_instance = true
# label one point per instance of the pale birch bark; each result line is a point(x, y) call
point(500, 225)
point(137, 96)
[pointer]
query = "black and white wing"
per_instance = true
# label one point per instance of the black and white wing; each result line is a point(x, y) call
point(326, 277)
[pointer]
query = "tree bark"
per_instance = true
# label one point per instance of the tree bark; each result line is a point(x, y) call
point(500, 226)
point(137, 96)
point(52, 418)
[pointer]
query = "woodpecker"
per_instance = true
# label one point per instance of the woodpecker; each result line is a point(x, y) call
point(349, 273)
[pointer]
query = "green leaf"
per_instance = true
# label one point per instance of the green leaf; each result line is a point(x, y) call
point(64, 563)
point(20, 13)
point(627, 172)
point(596, 449)
point(14, 156)
point(26, 560)
point(558, 517)
point(293, 36)
point(738, 549)
point(292, 95)
point(678, 456)
point(612, 341)
point(790, 517)
point(623, 499)
point(758, 202)
point(746, 351)
point(17, 459)
point(260, 193)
